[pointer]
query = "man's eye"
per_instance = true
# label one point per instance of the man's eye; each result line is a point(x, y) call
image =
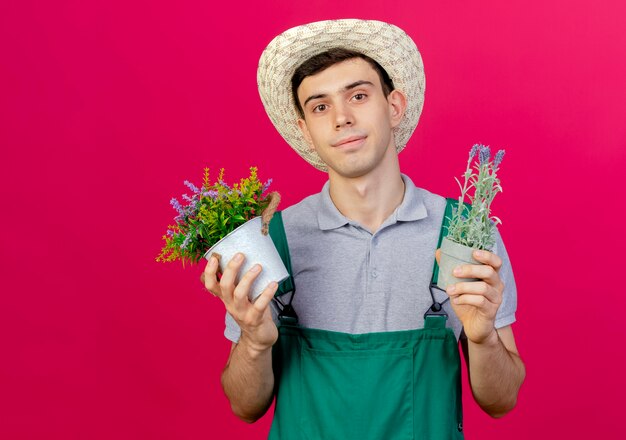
point(319, 108)
point(359, 96)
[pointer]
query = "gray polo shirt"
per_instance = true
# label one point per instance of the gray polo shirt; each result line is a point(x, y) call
point(352, 281)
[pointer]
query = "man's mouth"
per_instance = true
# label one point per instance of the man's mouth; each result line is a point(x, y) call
point(349, 141)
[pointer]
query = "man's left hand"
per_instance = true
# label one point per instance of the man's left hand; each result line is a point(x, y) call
point(476, 302)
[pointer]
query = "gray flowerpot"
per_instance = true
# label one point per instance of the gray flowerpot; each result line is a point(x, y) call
point(257, 248)
point(453, 255)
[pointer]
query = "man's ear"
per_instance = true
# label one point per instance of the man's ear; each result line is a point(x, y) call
point(397, 106)
point(305, 132)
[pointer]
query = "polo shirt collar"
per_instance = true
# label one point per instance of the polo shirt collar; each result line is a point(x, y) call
point(412, 207)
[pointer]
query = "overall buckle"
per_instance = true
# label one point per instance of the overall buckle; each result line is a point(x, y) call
point(437, 308)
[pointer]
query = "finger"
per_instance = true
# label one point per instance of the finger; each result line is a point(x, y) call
point(489, 258)
point(227, 281)
point(481, 271)
point(266, 296)
point(209, 277)
point(475, 288)
point(478, 301)
point(202, 277)
point(438, 255)
point(243, 288)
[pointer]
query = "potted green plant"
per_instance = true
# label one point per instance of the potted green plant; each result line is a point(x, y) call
point(471, 226)
point(220, 220)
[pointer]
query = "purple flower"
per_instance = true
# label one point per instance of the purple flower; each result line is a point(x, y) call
point(170, 233)
point(187, 198)
point(192, 187)
point(177, 206)
point(186, 242)
point(266, 185)
point(224, 184)
point(483, 155)
point(473, 151)
point(498, 160)
point(212, 194)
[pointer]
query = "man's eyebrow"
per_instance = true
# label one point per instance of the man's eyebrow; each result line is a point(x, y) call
point(356, 84)
point(344, 89)
point(310, 98)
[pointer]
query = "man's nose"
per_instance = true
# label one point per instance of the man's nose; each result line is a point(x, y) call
point(343, 116)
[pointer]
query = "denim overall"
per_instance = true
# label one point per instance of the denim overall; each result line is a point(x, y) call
point(379, 386)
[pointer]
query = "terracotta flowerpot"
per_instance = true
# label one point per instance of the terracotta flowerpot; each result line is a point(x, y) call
point(257, 248)
point(453, 255)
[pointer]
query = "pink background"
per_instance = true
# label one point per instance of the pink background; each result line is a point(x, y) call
point(106, 107)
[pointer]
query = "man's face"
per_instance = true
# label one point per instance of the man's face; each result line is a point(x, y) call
point(347, 118)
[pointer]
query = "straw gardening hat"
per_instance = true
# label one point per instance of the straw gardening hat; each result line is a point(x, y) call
point(389, 45)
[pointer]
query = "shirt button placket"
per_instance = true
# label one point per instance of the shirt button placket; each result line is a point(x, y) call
point(374, 272)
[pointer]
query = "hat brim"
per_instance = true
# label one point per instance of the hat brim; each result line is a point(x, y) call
point(389, 45)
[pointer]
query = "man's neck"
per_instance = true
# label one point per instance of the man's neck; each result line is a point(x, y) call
point(368, 200)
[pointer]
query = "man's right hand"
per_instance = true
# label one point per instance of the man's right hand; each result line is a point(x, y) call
point(258, 330)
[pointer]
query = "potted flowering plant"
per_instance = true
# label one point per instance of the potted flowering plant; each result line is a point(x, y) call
point(220, 220)
point(471, 226)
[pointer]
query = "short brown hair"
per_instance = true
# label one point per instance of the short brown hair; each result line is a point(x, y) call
point(324, 60)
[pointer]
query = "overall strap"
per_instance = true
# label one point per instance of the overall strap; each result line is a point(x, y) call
point(436, 309)
point(451, 204)
point(277, 233)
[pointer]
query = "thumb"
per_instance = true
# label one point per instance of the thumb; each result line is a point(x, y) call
point(438, 255)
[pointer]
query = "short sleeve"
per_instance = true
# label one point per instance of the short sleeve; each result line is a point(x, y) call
point(232, 332)
point(506, 312)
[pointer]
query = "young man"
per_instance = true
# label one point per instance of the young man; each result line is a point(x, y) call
point(373, 353)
